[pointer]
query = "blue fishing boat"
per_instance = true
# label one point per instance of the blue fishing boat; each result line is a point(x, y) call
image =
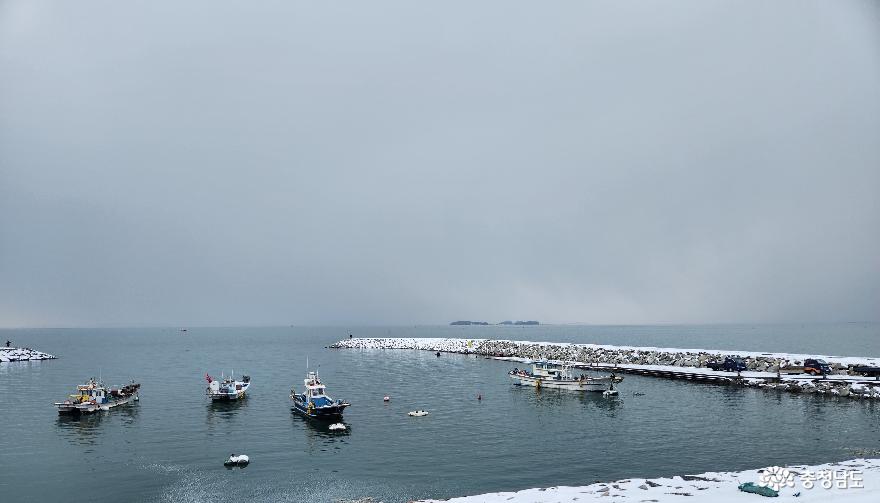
point(314, 402)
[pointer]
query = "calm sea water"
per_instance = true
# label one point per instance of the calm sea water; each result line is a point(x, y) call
point(170, 446)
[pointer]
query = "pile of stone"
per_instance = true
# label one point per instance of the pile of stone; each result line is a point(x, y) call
point(22, 354)
point(588, 353)
point(821, 387)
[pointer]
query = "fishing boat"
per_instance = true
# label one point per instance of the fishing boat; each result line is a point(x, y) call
point(94, 396)
point(559, 376)
point(314, 403)
point(227, 388)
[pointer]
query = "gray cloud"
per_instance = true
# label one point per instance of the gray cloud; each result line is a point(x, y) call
point(416, 162)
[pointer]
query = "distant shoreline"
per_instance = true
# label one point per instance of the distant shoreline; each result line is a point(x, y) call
point(505, 322)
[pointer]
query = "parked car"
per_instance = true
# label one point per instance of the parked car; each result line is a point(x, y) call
point(868, 371)
point(730, 364)
point(816, 366)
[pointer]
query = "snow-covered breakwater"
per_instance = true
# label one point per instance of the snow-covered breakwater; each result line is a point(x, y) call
point(23, 354)
point(598, 353)
point(854, 481)
point(769, 371)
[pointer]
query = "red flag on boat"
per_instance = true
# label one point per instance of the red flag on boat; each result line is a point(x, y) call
point(208, 378)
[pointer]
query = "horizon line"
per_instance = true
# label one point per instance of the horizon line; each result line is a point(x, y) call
point(448, 324)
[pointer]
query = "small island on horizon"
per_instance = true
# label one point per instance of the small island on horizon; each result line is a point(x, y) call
point(505, 322)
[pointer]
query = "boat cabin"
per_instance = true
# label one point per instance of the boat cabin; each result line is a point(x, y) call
point(89, 392)
point(553, 371)
point(315, 391)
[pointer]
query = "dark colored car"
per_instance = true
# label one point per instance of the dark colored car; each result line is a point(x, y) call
point(816, 366)
point(868, 371)
point(730, 364)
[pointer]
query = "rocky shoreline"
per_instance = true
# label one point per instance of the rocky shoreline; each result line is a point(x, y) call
point(23, 354)
point(765, 370)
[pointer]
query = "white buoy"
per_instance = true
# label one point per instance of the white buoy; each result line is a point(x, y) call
point(237, 460)
point(337, 426)
point(386, 398)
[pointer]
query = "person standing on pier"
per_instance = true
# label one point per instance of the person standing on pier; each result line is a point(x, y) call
point(8, 343)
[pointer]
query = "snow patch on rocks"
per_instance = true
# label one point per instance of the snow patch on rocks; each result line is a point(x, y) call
point(23, 354)
point(601, 353)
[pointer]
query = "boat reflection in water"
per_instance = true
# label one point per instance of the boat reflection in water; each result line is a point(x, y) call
point(87, 429)
point(557, 402)
point(321, 427)
point(224, 410)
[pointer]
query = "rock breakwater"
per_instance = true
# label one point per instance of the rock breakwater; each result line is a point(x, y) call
point(596, 353)
point(764, 370)
point(23, 354)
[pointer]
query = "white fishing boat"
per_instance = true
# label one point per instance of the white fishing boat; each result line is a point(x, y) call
point(227, 388)
point(94, 396)
point(559, 376)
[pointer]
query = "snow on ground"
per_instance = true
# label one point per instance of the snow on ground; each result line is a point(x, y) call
point(460, 345)
point(22, 354)
point(717, 487)
point(424, 343)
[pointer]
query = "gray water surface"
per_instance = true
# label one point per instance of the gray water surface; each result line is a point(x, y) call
point(170, 446)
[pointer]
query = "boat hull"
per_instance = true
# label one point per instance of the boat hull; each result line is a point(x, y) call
point(72, 409)
point(329, 412)
point(227, 397)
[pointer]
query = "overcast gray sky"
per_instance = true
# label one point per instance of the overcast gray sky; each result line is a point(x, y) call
point(230, 162)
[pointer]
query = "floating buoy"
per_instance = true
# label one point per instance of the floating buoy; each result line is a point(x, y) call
point(417, 413)
point(386, 398)
point(240, 460)
point(479, 397)
point(337, 426)
point(609, 392)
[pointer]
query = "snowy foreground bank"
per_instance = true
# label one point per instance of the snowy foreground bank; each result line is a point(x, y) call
point(854, 481)
point(766, 370)
point(22, 354)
